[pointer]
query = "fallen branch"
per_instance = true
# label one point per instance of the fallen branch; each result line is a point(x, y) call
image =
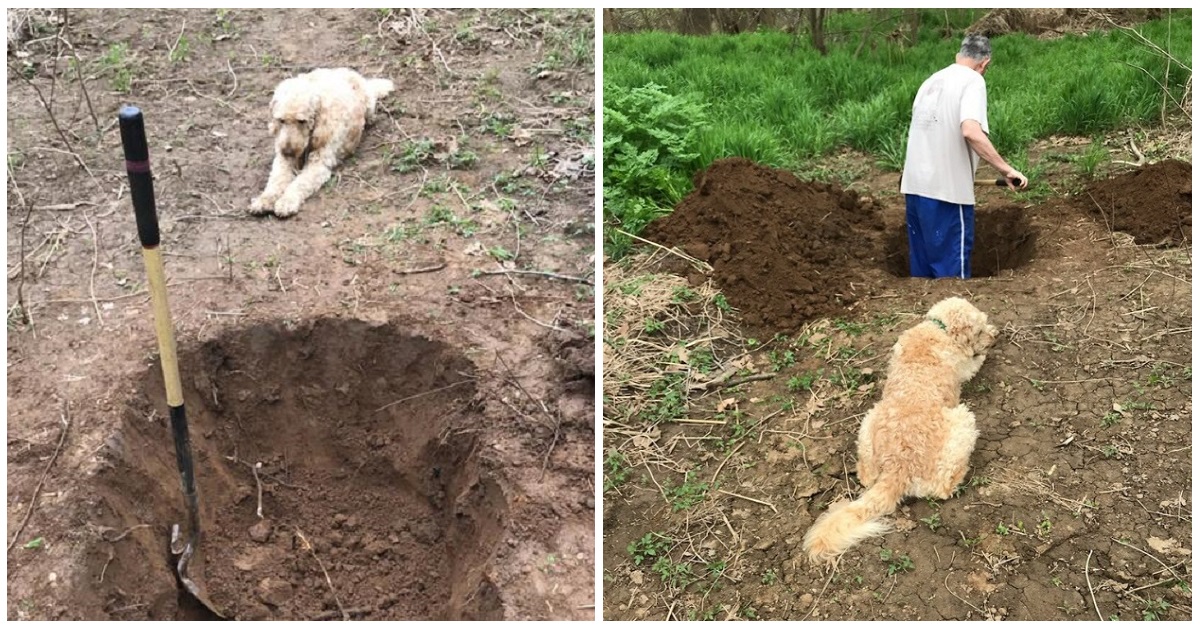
point(414, 271)
point(538, 273)
point(62, 438)
point(749, 499)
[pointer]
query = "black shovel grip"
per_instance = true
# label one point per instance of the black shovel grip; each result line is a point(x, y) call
point(1003, 182)
point(137, 166)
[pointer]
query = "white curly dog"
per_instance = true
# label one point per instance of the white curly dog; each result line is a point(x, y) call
point(317, 120)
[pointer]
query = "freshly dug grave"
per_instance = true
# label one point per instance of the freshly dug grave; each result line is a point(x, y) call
point(783, 251)
point(373, 503)
point(1153, 203)
point(1004, 240)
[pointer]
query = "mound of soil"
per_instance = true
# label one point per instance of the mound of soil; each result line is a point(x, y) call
point(1152, 203)
point(330, 450)
point(783, 251)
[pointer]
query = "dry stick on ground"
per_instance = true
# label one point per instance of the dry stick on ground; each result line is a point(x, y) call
point(946, 583)
point(95, 264)
point(54, 120)
point(425, 269)
point(556, 418)
point(1087, 574)
point(124, 534)
point(25, 316)
point(308, 546)
point(79, 76)
point(538, 273)
point(62, 438)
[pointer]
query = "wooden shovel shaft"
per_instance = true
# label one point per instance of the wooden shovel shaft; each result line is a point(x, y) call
point(141, 186)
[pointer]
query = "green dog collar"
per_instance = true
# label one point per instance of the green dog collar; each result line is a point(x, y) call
point(937, 322)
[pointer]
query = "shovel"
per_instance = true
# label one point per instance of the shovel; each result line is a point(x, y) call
point(1000, 183)
point(141, 188)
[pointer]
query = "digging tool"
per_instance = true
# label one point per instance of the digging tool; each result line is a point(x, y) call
point(141, 188)
point(1000, 183)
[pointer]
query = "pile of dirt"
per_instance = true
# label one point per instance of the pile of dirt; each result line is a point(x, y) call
point(1055, 22)
point(1153, 203)
point(783, 251)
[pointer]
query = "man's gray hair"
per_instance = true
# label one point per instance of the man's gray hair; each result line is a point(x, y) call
point(977, 47)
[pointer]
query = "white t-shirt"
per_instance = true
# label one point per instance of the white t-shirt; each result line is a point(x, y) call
point(939, 162)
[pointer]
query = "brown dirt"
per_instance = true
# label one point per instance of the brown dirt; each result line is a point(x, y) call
point(474, 501)
point(1080, 480)
point(777, 244)
point(1153, 203)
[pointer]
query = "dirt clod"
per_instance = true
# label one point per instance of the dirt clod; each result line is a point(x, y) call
point(261, 531)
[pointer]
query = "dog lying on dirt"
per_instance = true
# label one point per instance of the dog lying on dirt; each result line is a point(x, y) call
point(317, 120)
point(918, 439)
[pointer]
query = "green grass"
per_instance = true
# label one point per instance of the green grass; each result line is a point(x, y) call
point(675, 103)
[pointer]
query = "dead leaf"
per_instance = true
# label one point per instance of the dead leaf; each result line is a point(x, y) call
point(725, 403)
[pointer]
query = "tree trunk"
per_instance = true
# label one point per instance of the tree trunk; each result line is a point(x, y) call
point(612, 22)
point(816, 22)
point(914, 25)
point(695, 21)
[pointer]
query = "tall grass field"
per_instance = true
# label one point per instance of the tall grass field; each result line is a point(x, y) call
point(675, 103)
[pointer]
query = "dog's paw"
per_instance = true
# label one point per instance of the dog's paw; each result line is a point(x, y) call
point(261, 206)
point(287, 206)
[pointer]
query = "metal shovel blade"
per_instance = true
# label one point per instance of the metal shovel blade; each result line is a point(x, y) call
point(184, 553)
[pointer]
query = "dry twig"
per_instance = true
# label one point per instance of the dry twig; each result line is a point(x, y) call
point(37, 490)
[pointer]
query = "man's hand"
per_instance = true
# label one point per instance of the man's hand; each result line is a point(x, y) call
point(1015, 175)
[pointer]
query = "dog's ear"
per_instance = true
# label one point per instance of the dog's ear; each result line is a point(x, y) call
point(272, 125)
point(322, 130)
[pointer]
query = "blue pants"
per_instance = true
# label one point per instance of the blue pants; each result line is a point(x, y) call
point(941, 237)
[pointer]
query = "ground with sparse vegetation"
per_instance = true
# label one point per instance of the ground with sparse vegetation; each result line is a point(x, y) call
point(410, 358)
point(730, 424)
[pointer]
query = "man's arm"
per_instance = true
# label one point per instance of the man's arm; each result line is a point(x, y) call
point(979, 141)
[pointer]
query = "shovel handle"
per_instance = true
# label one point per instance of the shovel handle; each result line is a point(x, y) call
point(141, 188)
point(1000, 183)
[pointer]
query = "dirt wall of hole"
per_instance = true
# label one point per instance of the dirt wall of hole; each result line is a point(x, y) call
point(1004, 240)
point(365, 438)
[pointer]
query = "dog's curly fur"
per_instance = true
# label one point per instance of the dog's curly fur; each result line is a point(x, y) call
point(918, 439)
point(317, 120)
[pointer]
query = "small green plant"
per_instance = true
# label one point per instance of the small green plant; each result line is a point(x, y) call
point(116, 60)
point(1002, 529)
point(897, 563)
point(934, 521)
point(852, 329)
point(414, 155)
point(1090, 160)
point(35, 543)
point(673, 574)
point(462, 159)
point(653, 326)
point(180, 51)
point(1155, 609)
point(1112, 418)
point(770, 576)
point(804, 381)
point(683, 294)
point(1044, 526)
point(687, 494)
point(1109, 451)
point(649, 548)
point(501, 254)
point(749, 612)
point(721, 303)
point(616, 470)
point(781, 359)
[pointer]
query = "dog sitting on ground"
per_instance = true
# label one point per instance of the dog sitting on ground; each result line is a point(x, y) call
point(317, 120)
point(918, 439)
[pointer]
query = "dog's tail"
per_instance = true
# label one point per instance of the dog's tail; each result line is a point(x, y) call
point(378, 88)
point(847, 523)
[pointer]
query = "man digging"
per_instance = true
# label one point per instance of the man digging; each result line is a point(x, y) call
point(947, 137)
